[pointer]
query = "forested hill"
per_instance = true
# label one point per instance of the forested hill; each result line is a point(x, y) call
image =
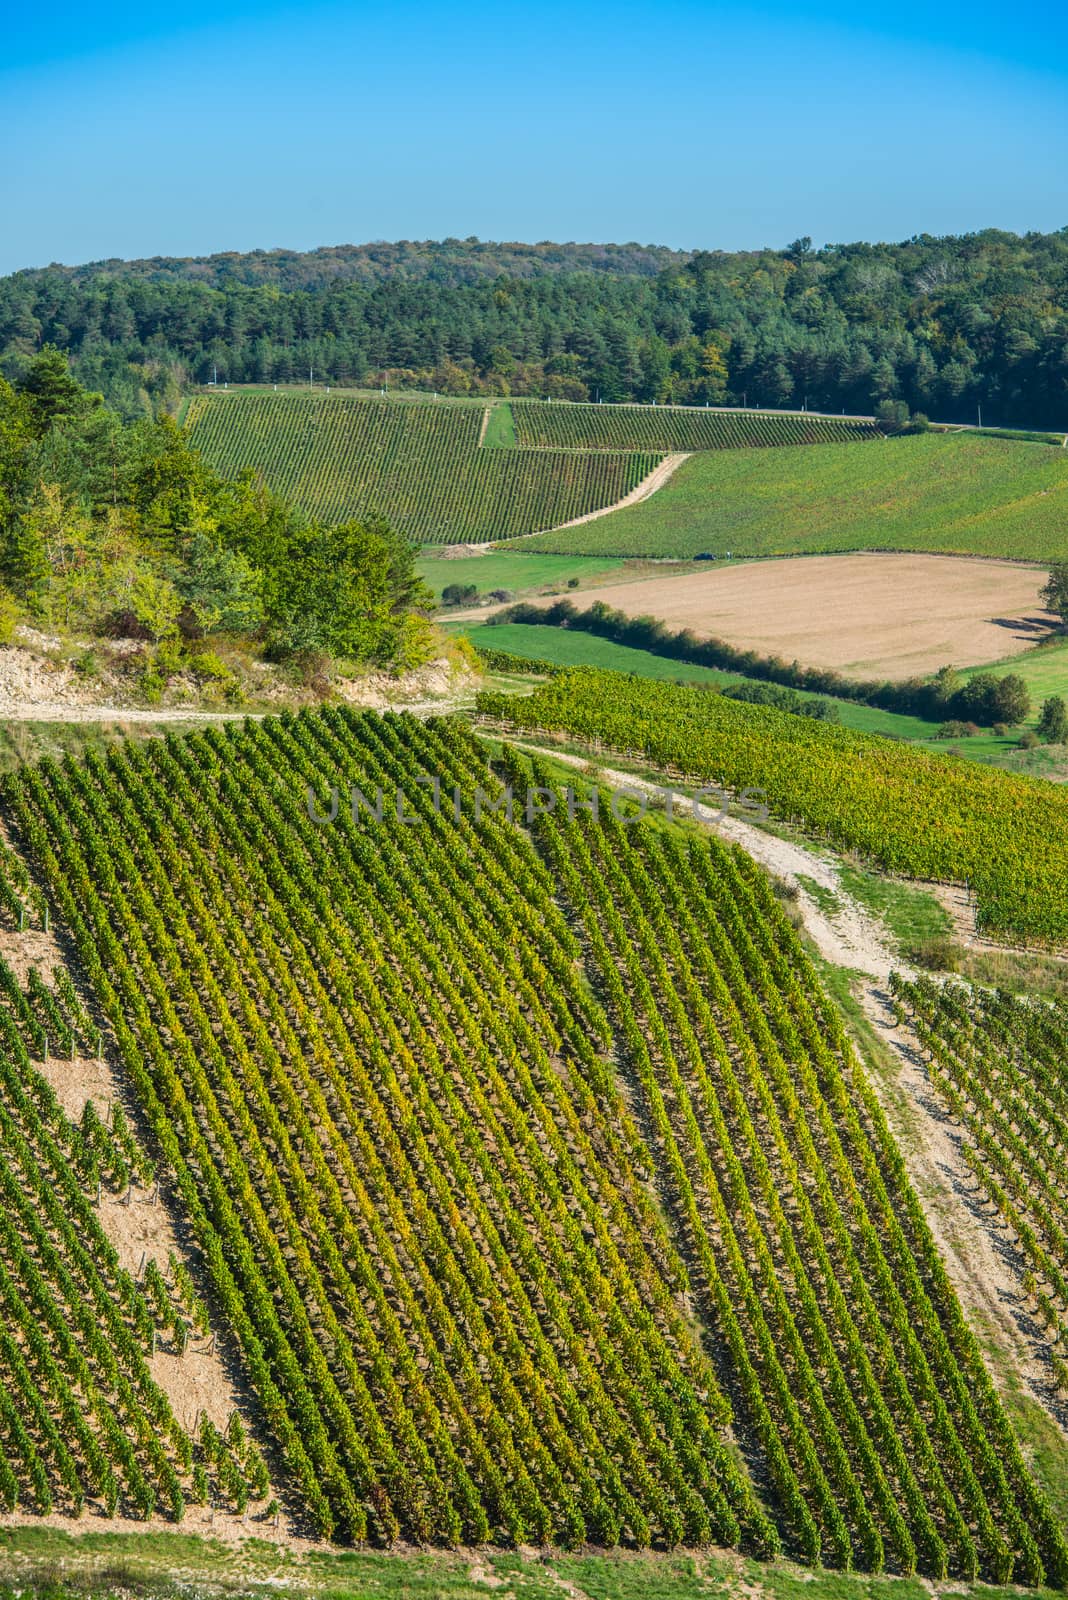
point(945, 325)
point(451, 261)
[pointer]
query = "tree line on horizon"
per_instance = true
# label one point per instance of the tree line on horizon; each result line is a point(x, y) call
point(953, 327)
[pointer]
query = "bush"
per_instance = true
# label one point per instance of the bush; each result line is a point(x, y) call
point(9, 616)
point(206, 665)
point(459, 594)
point(1029, 739)
point(892, 415)
point(938, 953)
point(954, 729)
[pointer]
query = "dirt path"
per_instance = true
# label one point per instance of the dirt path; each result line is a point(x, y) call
point(849, 936)
point(60, 711)
point(649, 485)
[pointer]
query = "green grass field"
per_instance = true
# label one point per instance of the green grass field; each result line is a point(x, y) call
point(500, 429)
point(1044, 669)
point(565, 647)
point(958, 493)
point(519, 573)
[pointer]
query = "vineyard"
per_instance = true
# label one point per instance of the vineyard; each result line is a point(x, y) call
point(82, 1420)
point(921, 815)
point(669, 428)
point(998, 1064)
point(419, 465)
point(961, 493)
point(480, 1293)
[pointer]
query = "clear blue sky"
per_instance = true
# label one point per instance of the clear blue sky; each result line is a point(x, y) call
point(148, 130)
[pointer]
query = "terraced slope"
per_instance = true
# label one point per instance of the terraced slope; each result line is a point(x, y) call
point(419, 465)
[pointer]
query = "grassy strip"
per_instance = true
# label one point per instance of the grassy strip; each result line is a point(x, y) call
point(519, 573)
point(30, 741)
point(500, 429)
point(46, 1563)
point(572, 648)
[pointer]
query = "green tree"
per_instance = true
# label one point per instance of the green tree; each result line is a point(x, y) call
point(51, 393)
point(892, 415)
point(23, 560)
point(1012, 700)
point(219, 589)
point(350, 591)
point(1053, 720)
point(1055, 594)
point(947, 683)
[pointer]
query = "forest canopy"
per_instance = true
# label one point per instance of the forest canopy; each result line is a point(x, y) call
point(942, 325)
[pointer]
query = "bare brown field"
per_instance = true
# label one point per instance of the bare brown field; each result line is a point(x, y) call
point(868, 615)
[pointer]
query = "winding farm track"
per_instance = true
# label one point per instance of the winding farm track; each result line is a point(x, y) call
point(649, 485)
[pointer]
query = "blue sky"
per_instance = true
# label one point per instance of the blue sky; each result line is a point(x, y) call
point(151, 130)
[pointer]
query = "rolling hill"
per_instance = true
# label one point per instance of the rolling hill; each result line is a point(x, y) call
point(419, 464)
point(446, 472)
point(959, 493)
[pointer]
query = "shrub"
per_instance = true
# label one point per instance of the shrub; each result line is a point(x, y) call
point(937, 953)
point(1029, 739)
point(206, 665)
point(9, 616)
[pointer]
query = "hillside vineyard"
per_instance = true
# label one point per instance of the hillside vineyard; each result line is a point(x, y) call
point(529, 1167)
point(922, 815)
point(418, 465)
point(432, 468)
point(998, 1063)
point(665, 428)
point(82, 1419)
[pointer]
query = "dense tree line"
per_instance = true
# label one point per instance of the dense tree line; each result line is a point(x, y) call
point(113, 527)
point(405, 260)
point(942, 325)
point(985, 698)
